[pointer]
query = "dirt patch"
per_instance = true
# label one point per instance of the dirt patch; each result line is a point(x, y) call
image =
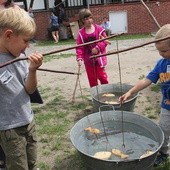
point(134, 65)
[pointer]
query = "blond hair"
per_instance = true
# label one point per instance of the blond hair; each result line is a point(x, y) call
point(163, 32)
point(17, 20)
point(84, 13)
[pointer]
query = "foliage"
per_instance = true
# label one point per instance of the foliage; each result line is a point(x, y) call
point(165, 166)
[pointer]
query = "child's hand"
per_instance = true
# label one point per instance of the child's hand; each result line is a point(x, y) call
point(94, 51)
point(101, 37)
point(107, 41)
point(35, 61)
point(79, 62)
point(124, 97)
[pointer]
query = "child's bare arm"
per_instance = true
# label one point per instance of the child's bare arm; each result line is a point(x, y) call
point(142, 84)
point(35, 62)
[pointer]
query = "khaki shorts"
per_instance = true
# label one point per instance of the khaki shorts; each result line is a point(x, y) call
point(20, 147)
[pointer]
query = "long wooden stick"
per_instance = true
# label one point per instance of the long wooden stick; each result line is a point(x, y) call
point(60, 50)
point(13, 61)
point(158, 25)
point(81, 45)
point(131, 48)
point(77, 80)
point(40, 69)
point(54, 71)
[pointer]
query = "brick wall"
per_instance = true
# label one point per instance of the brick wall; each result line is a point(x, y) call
point(42, 20)
point(139, 19)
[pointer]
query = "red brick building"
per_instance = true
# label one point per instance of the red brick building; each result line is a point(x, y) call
point(128, 16)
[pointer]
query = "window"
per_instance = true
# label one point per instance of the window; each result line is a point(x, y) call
point(36, 4)
point(51, 3)
point(22, 3)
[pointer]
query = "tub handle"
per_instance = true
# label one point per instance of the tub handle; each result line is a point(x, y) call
point(111, 106)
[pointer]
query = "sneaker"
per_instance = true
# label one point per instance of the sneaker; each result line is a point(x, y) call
point(161, 158)
point(2, 164)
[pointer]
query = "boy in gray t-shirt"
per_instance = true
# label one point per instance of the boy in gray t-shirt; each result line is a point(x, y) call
point(17, 81)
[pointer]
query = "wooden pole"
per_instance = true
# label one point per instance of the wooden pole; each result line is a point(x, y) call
point(158, 25)
point(31, 3)
point(60, 50)
point(97, 56)
point(131, 48)
point(81, 45)
point(77, 80)
point(55, 71)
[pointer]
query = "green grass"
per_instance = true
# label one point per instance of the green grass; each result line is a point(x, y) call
point(73, 42)
point(142, 77)
point(156, 88)
point(51, 43)
point(43, 166)
point(57, 56)
point(135, 36)
point(54, 120)
point(165, 166)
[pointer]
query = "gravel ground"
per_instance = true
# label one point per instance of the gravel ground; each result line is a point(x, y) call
point(134, 65)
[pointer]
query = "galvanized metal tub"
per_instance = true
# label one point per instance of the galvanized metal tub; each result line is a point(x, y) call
point(112, 88)
point(133, 124)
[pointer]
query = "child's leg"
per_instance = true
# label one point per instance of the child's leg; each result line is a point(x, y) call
point(57, 35)
point(102, 75)
point(2, 158)
point(32, 146)
point(165, 126)
point(92, 75)
point(14, 148)
point(54, 36)
point(19, 145)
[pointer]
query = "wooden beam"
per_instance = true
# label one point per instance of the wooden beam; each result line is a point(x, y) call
point(131, 48)
point(156, 22)
point(60, 50)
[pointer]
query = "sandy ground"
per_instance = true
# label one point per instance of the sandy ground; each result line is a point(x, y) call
point(134, 65)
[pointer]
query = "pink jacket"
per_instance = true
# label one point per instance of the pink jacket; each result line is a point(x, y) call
point(84, 53)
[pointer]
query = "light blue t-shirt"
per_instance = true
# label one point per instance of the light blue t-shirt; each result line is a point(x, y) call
point(106, 25)
point(54, 20)
point(15, 105)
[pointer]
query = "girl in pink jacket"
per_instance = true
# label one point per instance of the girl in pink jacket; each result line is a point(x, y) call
point(95, 68)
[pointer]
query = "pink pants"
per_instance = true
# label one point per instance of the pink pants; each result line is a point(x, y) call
point(95, 73)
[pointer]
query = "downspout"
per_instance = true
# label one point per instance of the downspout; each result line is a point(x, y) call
point(47, 4)
point(31, 3)
point(88, 5)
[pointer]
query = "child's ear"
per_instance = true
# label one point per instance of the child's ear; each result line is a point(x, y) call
point(8, 33)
